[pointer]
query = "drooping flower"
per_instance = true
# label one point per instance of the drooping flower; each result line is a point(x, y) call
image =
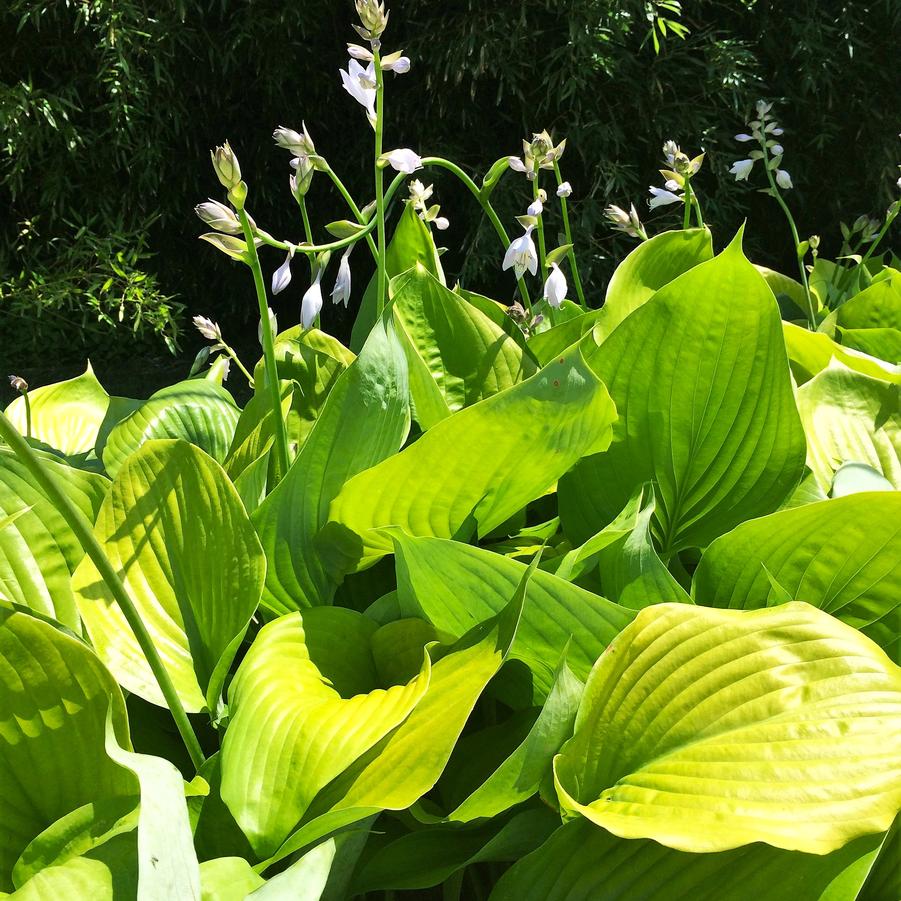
point(564, 189)
point(555, 286)
point(341, 291)
point(741, 169)
point(535, 207)
point(665, 195)
point(397, 63)
point(783, 179)
point(521, 254)
point(281, 278)
point(441, 222)
point(360, 84)
point(311, 303)
point(403, 160)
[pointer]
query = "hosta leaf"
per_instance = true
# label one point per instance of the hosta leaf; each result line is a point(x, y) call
point(38, 552)
point(783, 286)
point(841, 555)
point(66, 416)
point(54, 697)
point(410, 244)
point(475, 469)
point(552, 342)
point(254, 433)
point(884, 343)
point(709, 729)
point(653, 264)
point(850, 417)
point(878, 306)
point(196, 410)
point(457, 355)
point(305, 704)
point(456, 586)
point(710, 418)
point(175, 529)
point(580, 862)
point(365, 420)
point(228, 879)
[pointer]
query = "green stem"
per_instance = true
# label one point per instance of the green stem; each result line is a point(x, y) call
point(27, 401)
point(281, 435)
point(794, 230)
point(569, 240)
point(358, 214)
point(307, 230)
point(84, 532)
point(889, 219)
point(236, 360)
point(487, 208)
point(698, 215)
point(379, 195)
point(686, 216)
point(542, 251)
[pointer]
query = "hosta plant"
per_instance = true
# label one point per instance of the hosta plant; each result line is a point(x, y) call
point(578, 597)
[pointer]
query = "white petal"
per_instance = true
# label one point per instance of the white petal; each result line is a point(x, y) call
point(310, 305)
point(535, 208)
point(741, 169)
point(516, 164)
point(564, 189)
point(532, 261)
point(661, 197)
point(404, 160)
point(783, 179)
point(555, 286)
point(281, 278)
point(441, 223)
point(510, 255)
point(744, 137)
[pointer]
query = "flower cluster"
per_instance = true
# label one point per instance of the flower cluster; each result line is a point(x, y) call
point(680, 168)
point(419, 194)
point(627, 223)
point(765, 131)
point(539, 153)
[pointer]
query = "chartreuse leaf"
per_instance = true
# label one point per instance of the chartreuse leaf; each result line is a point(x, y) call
point(711, 418)
point(884, 880)
point(878, 306)
point(66, 416)
point(580, 862)
point(313, 360)
point(175, 529)
point(455, 586)
point(407, 762)
point(850, 417)
point(410, 244)
point(38, 552)
point(254, 433)
point(305, 704)
point(365, 419)
point(54, 697)
point(884, 343)
point(196, 410)
point(785, 287)
point(810, 353)
point(167, 864)
point(840, 555)
point(653, 264)
point(705, 730)
point(457, 354)
point(475, 469)
point(228, 879)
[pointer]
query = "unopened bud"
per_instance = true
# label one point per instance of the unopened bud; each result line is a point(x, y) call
point(373, 19)
point(300, 144)
point(218, 216)
point(207, 328)
point(226, 166)
point(18, 384)
point(233, 247)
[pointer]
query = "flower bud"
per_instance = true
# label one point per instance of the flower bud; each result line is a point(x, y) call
point(396, 62)
point(403, 160)
point(207, 328)
point(233, 247)
point(226, 166)
point(298, 144)
point(373, 19)
point(564, 189)
point(18, 384)
point(219, 217)
point(281, 278)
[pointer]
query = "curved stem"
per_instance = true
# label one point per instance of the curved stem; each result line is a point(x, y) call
point(237, 361)
point(542, 250)
point(487, 208)
point(84, 532)
point(379, 196)
point(569, 240)
point(358, 214)
point(281, 435)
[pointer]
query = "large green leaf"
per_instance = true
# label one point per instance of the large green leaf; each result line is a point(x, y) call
point(365, 419)
point(176, 531)
point(878, 306)
point(411, 244)
point(457, 354)
point(305, 704)
point(710, 729)
point(54, 697)
point(841, 555)
point(196, 410)
point(709, 417)
point(850, 417)
point(647, 269)
point(456, 586)
point(475, 469)
point(66, 416)
point(583, 863)
point(38, 552)
point(884, 343)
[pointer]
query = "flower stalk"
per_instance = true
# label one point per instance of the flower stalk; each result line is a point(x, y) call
point(379, 185)
point(564, 210)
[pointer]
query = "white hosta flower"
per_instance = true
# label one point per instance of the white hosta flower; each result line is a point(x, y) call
point(777, 150)
point(273, 325)
point(783, 179)
point(628, 223)
point(341, 291)
point(419, 193)
point(311, 303)
point(662, 197)
point(670, 151)
point(744, 137)
point(535, 208)
point(281, 278)
point(516, 164)
point(564, 189)
point(555, 287)
point(403, 160)
point(207, 328)
point(299, 143)
point(773, 129)
point(441, 222)
point(358, 52)
point(218, 216)
point(741, 169)
point(521, 254)
point(401, 65)
point(763, 108)
point(360, 84)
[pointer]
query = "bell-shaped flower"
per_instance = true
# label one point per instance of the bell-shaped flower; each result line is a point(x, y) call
point(419, 193)
point(555, 286)
point(281, 278)
point(516, 164)
point(564, 189)
point(535, 207)
point(441, 222)
point(741, 169)
point(341, 291)
point(273, 325)
point(396, 62)
point(521, 254)
point(403, 160)
point(665, 195)
point(356, 51)
point(360, 84)
point(311, 303)
point(783, 179)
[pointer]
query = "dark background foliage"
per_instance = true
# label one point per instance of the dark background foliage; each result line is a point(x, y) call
point(108, 109)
